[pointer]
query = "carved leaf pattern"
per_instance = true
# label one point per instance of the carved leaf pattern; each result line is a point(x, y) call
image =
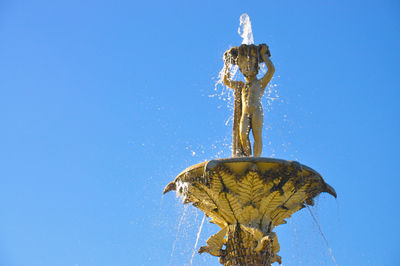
point(234, 204)
point(225, 209)
point(216, 184)
point(229, 181)
point(251, 188)
point(268, 205)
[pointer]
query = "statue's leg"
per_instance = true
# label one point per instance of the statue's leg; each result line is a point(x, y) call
point(257, 125)
point(244, 133)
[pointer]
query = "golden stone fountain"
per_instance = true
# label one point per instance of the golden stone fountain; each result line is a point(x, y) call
point(246, 195)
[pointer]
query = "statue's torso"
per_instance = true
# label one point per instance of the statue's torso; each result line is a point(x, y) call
point(251, 96)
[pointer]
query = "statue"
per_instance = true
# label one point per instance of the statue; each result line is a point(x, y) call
point(248, 112)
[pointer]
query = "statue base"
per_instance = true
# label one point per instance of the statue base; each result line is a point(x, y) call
point(247, 197)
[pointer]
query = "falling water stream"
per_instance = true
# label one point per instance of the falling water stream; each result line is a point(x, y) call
point(322, 234)
point(296, 240)
point(177, 232)
point(197, 239)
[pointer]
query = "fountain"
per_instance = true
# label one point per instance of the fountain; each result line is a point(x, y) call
point(246, 195)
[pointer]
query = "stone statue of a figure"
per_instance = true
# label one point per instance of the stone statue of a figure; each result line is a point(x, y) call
point(248, 112)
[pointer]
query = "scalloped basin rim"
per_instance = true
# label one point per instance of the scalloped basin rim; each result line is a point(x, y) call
point(209, 165)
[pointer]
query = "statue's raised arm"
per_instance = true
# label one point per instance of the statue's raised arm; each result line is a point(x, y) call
point(236, 85)
point(265, 54)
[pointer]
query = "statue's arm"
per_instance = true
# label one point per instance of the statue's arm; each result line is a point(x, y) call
point(230, 83)
point(271, 70)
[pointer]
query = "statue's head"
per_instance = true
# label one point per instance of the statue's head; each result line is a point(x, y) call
point(247, 57)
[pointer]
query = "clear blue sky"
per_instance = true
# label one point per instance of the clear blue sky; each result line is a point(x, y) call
point(104, 102)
